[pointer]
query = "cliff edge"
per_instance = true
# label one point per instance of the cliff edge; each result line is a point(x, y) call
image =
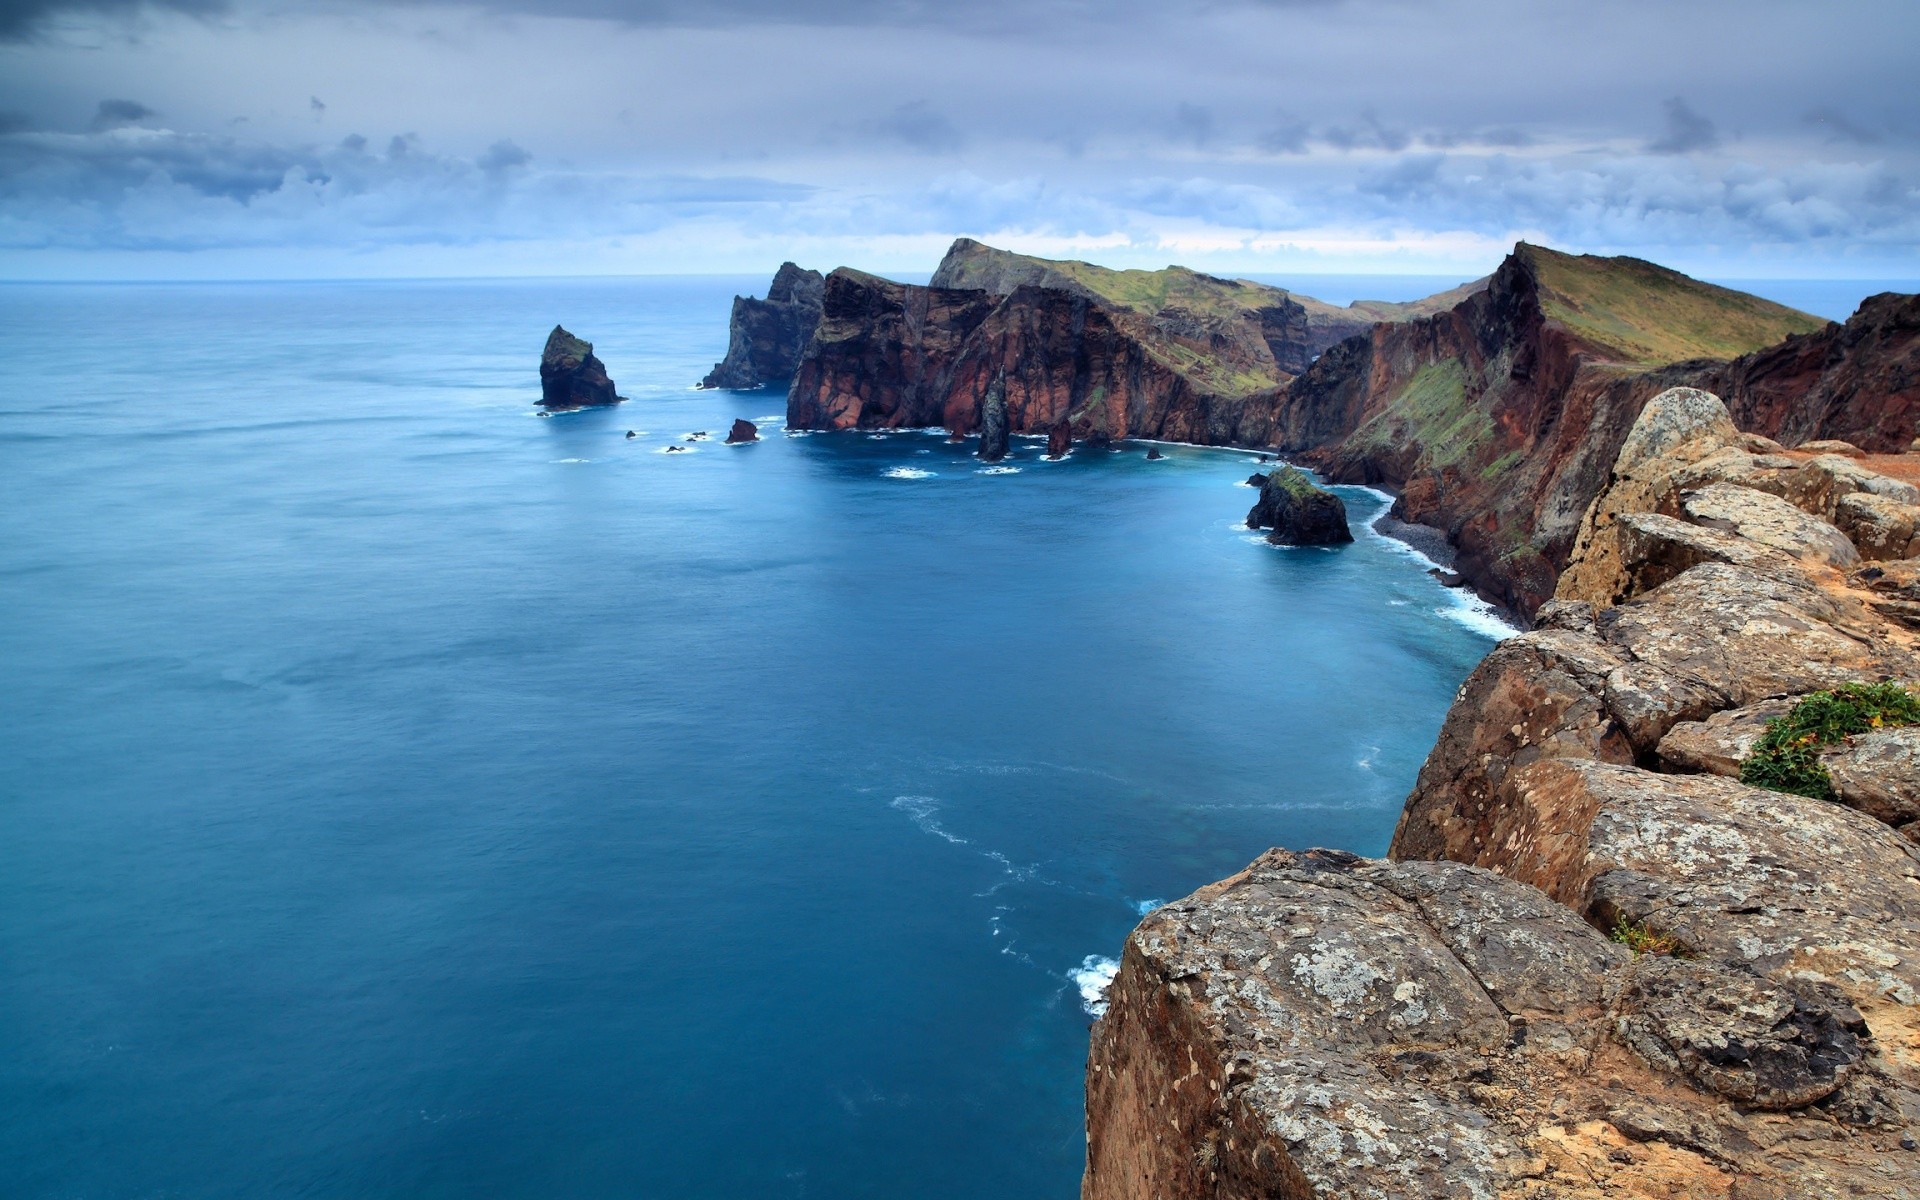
point(1598, 964)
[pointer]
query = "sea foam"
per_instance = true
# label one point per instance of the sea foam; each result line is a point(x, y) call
point(908, 473)
point(1093, 977)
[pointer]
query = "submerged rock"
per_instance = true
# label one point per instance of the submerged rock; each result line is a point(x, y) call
point(1299, 513)
point(743, 431)
point(1153, 454)
point(570, 376)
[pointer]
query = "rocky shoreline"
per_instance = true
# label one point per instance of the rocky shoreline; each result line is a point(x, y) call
point(1594, 963)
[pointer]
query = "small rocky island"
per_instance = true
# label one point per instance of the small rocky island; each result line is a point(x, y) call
point(1299, 513)
point(570, 376)
point(743, 431)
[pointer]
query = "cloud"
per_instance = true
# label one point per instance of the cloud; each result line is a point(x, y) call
point(112, 114)
point(1687, 131)
point(138, 188)
point(1193, 124)
point(1839, 127)
point(918, 127)
point(22, 19)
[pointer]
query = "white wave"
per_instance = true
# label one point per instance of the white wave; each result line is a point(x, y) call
point(907, 473)
point(921, 810)
point(923, 452)
point(998, 471)
point(777, 417)
point(1093, 977)
point(1143, 907)
point(876, 437)
point(694, 437)
point(1476, 614)
point(556, 461)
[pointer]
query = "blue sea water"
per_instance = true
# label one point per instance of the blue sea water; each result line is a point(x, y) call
point(403, 794)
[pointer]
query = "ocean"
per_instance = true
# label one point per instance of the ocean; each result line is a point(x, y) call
point(406, 794)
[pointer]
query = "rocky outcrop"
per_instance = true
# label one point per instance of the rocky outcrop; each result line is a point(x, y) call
point(570, 376)
point(1299, 513)
point(1499, 420)
point(1321, 1026)
point(1059, 440)
point(890, 355)
point(1858, 382)
point(1455, 1022)
point(743, 431)
point(766, 337)
point(993, 424)
point(1294, 337)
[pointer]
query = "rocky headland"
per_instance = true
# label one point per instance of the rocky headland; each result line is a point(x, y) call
point(570, 376)
point(1493, 412)
point(1596, 963)
point(766, 337)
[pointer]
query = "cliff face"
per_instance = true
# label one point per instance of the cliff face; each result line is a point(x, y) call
point(1454, 1023)
point(1858, 382)
point(1497, 420)
point(891, 355)
point(766, 337)
point(970, 264)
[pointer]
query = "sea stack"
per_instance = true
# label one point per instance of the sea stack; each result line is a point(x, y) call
point(1058, 439)
point(570, 376)
point(1299, 513)
point(993, 424)
point(743, 431)
point(765, 337)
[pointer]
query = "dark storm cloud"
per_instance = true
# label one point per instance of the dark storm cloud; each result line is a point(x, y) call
point(1687, 130)
point(112, 114)
point(132, 187)
point(20, 19)
point(1840, 128)
point(919, 127)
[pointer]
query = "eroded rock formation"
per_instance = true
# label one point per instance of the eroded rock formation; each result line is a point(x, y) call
point(1456, 1023)
point(742, 431)
point(1298, 513)
point(766, 337)
point(570, 376)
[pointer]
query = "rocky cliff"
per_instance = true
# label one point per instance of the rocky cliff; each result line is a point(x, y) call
point(893, 355)
point(1497, 420)
point(1599, 964)
point(971, 264)
point(765, 338)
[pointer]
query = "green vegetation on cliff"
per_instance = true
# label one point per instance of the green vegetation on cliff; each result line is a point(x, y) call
point(1640, 314)
point(1433, 414)
point(1786, 758)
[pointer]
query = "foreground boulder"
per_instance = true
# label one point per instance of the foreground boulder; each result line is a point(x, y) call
point(570, 376)
point(765, 337)
point(1326, 1026)
point(1299, 513)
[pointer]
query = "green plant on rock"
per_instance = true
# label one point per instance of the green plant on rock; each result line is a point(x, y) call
point(1786, 756)
point(1639, 938)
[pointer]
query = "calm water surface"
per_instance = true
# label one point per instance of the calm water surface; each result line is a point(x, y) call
point(406, 795)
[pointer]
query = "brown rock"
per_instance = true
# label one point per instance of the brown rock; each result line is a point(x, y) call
point(766, 337)
point(1769, 520)
point(1719, 744)
point(743, 431)
point(1059, 438)
point(1881, 527)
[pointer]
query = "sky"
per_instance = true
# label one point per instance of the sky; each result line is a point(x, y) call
point(322, 138)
